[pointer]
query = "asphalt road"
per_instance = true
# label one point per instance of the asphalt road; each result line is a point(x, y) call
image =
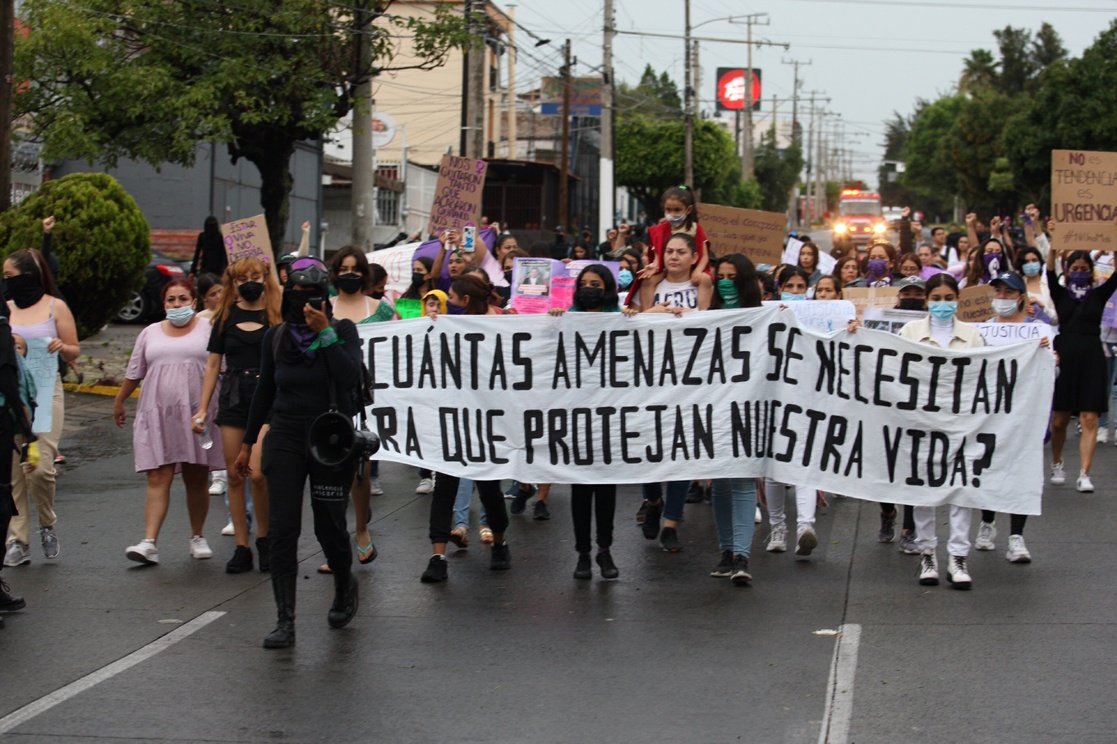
point(108, 651)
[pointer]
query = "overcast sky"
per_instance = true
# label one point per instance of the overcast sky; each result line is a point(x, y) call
point(870, 57)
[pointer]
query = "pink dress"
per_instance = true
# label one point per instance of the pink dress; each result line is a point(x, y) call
point(172, 370)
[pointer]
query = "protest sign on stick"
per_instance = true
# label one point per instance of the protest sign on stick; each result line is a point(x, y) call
point(457, 194)
point(247, 238)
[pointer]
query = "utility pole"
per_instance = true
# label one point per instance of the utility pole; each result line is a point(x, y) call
point(363, 191)
point(7, 83)
point(796, 131)
point(753, 19)
point(564, 184)
point(511, 97)
point(688, 111)
point(605, 204)
point(475, 135)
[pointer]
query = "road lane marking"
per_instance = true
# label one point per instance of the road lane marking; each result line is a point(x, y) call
point(838, 712)
point(61, 695)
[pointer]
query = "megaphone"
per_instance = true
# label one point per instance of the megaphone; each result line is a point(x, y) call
point(334, 440)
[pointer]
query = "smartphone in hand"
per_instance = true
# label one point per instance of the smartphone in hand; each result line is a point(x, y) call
point(469, 238)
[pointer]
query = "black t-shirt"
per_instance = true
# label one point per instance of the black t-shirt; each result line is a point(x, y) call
point(240, 347)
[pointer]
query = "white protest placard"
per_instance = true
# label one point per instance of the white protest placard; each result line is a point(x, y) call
point(457, 194)
point(889, 319)
point(604, 398)
point(826, 263)
point(792, 250)
point(1084, 200)
point(1004, 334)
point(823, 316)
point(43, 367)
point(247, 238)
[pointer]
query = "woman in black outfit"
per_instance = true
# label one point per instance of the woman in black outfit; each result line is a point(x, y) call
point(308, 363)
point(209, 253)
point(1081, 386)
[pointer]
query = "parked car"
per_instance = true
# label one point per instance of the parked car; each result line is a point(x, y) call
point(145, 305)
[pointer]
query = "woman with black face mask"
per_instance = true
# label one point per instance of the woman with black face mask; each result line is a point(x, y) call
point(249, 305)
point(309, 365)
point(350, 273)
point(40, 318)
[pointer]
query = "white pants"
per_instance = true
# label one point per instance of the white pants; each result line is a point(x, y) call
point(805, 502)
point(960, 519)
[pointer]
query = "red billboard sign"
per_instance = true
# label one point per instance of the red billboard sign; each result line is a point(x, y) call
point(731, 89)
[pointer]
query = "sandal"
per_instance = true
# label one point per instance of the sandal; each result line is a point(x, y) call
point(486, 536)
point(368, 554)
point(324, 569)
point(460, 537)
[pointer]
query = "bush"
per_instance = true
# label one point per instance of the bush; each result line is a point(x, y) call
point(101, 239)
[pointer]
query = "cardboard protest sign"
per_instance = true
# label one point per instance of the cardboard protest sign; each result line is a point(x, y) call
point(457, 194)
point(603, 398)
point(1084, 200)
point(247, 238)
point(866, 297)
point(758, 235)
point(1003, 334)
point(975, 304)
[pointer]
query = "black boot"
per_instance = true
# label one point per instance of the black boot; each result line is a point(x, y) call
point(263, 552)
point(284, 634)
point(346, 600)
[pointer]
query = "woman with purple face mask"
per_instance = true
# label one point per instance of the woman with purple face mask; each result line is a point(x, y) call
point(882, 257)
point(985, 263)
point(1081, 386)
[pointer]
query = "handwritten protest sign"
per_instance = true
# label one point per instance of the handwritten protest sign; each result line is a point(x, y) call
point(975, 304)
point(247, 238)
point(602, 398)
point(823, 316)
point(1003, 334)
point(758, 235)
point(866, 297)
point(1084, 200)
point(457, 195)
point(43, 366)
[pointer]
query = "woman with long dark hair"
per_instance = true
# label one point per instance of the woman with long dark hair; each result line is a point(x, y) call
point(209, 252)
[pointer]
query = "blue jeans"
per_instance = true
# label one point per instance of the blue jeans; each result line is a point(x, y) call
point(462, 502)
point(734, 503)
point(1110, 370)
point(676, 497)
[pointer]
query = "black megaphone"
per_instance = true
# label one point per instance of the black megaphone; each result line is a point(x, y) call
point(334, 440)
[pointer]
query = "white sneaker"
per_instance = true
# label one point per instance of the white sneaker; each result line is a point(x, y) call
point(985, 536)
point(806, 540)
point(143, 552)
point(759, 516)
point(1103, 435)
point(228, 530)
point(1017, 550)
point(375, 488)
point(17, 554)
point(1058, 474)
point(217, 487)
point(1085, 485)
point(777, 541)
point(426, 485)
point(928, 569)
point(199, 548)
point(959, 574)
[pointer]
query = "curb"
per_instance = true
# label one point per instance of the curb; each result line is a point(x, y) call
point(110, 391)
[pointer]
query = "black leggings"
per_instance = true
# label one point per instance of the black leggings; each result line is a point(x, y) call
point(287, 464)
point(585, 503)
point(7, 504)
point(909, 515)
point(442, 506)
point(1016, 521)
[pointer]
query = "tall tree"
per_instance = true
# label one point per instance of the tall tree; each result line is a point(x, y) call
point(1047, 48)
point(777, 172)
point(979, 71)
point(148, 79)
point(1018, 65)
point(655, 96)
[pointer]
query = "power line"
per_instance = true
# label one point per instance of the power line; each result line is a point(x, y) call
point(968, 6)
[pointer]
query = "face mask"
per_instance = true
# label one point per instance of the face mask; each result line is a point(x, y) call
point(625, 277)
point(1004, 308)
point(24, 290)
point(676, 220)
point(788, 297)
point(508, 277)
point(589, 298)
point(350, 283)
point(180, 316)
point(1032, 269)
point(251, 291)
point(877, 266)
point(417, 278)
point(1078, 284)
point(910, 303)
point(992, 264)
point(377, 295)
point(293, 302)
point(943, 310)
point(727, 289)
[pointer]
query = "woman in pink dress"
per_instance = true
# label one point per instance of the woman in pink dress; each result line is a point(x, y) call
point(170, 357)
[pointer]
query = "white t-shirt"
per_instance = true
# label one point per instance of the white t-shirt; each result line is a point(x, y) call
point(677, 294)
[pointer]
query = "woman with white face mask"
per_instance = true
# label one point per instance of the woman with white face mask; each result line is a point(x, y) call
point(170, 358)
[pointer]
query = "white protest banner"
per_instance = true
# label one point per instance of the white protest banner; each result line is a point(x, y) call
point(457, 194)
point(43, 366)
point(604, 398)
point(1003, 334)
point(1084, 200)
point(247, 238)
point(823, 316)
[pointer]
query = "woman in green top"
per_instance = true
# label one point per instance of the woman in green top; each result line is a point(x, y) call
point(349, 272)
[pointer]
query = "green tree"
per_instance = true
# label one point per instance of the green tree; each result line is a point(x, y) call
point(102, 242)
point(114, 79)
point(1018, 64)
point(655, 96)
point(892, 190)
point(974, 144)
point(930, 172)
point(776, 172)
point(1047, 48)
point(979, 71)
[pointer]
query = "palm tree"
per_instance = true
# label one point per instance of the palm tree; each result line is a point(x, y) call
point(980, 71)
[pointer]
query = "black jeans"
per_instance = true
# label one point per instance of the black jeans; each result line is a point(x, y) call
point(585, 503)
point(7, 504)
point(909, 515)
point(442, 506)
point(287, 464)
point(1016, 521)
